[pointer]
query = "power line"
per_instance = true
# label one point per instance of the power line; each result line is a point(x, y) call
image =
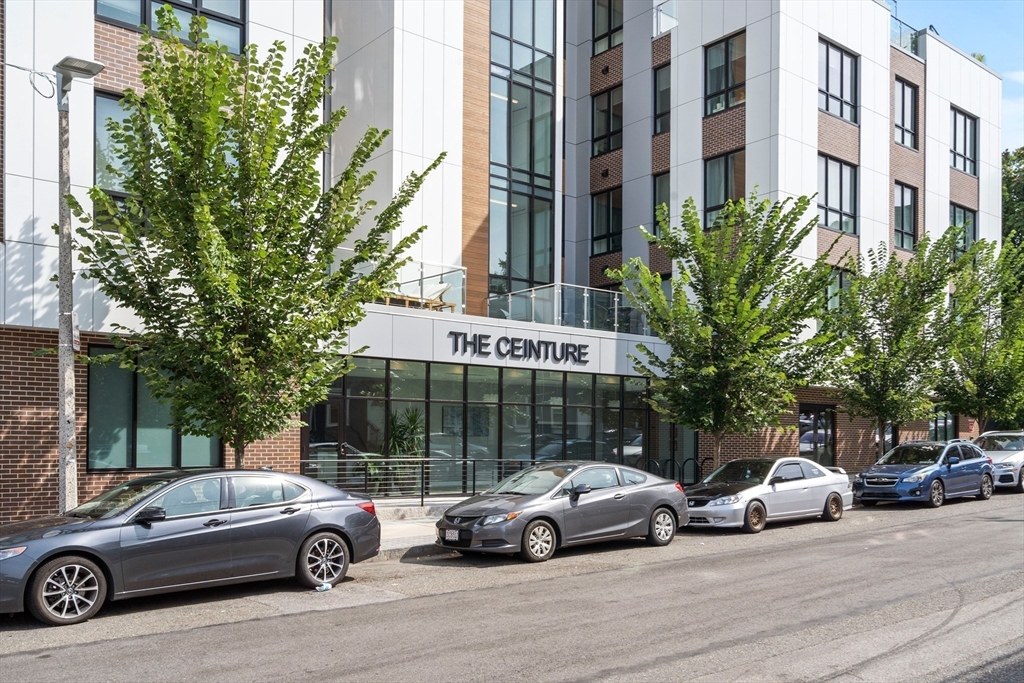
point(32, 73)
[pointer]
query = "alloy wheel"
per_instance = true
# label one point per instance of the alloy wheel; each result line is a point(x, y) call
point(986, 487)
point(937, 495)
point(835, 506)
point(663, 526)
point(325, 560)
point(756, 517)
point(540, 541)
point(70, 591)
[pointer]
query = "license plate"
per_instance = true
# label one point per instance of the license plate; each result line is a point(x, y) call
point(451, 534)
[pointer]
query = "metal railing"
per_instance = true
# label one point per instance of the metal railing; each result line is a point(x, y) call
point(664, 17)
point(687, 471)
point(422, 284)
point(903, 36)
point(570, 306)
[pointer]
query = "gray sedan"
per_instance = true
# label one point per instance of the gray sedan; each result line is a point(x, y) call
point(180, 530)
point(561, 504)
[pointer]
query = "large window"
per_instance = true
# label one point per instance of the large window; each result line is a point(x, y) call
point(724, 179)
point(521, 241)
point(129, 429)
point(840, 283)
point(107, 107)
point(904, 216)
point(837, 81)
point(662, 190)
point(725, 74)
point(837, 195)
point(968, 220)
point(607, 25)
point(607, 119)
point(963, 142)
point(607, 222)
point(941, 426)
point(662, 99)
point(905, 110)
point(225, 19)
point(817, 434)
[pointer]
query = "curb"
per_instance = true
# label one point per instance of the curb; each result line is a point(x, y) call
point(411, 553)
point(386, 514)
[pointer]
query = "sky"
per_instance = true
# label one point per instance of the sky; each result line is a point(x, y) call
point(994, 28)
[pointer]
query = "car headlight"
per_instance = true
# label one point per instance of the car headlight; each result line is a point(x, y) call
point(1007, 465)
point(11, 552)
point(494, 519)
point(726, 500)
point(914, 478)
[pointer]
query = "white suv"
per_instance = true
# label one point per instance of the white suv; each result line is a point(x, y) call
point(1006, 449)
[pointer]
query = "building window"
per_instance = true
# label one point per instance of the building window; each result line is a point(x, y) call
point(129, 429)
point(840, 283)
point(968, 220)
point(817, 434)
point(963, 142)
point(607, 223)
point(662, 190)
point(607, 133)
point(225, 19)
point(725, 74)
point(106, 165)
point(905, 111)
point(662, 99)
point(837, 192)
point(724, 179)
point(904, 217)
point(941, 426)
point(837, 81)
point(522, 233)
point(607, 25)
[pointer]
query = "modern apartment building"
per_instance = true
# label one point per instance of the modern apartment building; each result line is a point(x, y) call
point(564, 122)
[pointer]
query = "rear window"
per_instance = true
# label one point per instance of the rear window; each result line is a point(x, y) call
point(631, 477)
point(1000, 442)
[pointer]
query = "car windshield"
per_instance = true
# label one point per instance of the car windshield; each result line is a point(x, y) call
point(740, 472)
point(916, 454)
point(533, 481)
point(118, 499)
point(1000, 442)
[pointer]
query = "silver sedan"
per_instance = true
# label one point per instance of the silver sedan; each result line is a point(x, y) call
point(561, 504)
point(749, 493)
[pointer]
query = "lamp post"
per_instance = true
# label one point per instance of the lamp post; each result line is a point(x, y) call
point(67, 69)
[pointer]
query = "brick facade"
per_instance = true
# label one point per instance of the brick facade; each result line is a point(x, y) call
point(606, 171)
point(838, 138)
point(725, 131)
point(661, 50)
point(661, 148)
point(3, 111)
point(598, 264)
point(610, 61)
point(906, 165)
point(117, 48)
point(845, 247)
point(28, 428)
point(658, 260)
point(963, 190)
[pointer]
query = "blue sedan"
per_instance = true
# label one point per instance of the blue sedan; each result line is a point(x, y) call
point(928, 472)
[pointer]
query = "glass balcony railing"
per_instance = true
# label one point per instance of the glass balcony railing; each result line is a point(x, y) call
point(903, 36)
point(664, 16)
point(423, 285)
point(585, 308)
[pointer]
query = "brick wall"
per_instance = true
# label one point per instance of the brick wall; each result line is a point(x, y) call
point(3, 111)
point(661, 50)
point(610, 60)
point(725, 131)
point(838, 138)
point(28, 428)
point(661, 149)
point(845, 247)
point(658, 260)
point(598, 264)
point(606, 171)
point(907, 165)
point(117, 48)
point(476, 90)
point(963, 190)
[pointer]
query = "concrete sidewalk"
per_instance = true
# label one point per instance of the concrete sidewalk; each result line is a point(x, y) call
point(407, 529)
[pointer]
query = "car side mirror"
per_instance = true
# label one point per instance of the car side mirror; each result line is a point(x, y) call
point(150, 514)
point(952, 460)
point(580, 490)
point(776, 480)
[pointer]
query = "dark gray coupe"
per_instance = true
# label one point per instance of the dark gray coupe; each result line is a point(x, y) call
point(175, 531)
point(555, 505)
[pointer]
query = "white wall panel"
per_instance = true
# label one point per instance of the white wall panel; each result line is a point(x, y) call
point(309, 20)
point(19, 218)
point(46, 201)
point(44, 292)
point(18, 282)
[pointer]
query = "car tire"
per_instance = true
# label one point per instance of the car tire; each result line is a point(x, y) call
point(662, 527)
point(76, 586)
point(833, 511)
point(323, 558)
point(1019, 488)
point(936, 494)
point(539, 540)
point(869, 503)
point(986, 487)
point(754, 518)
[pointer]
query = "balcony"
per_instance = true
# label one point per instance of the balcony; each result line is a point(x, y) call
point(664, 17)
point(423, 285)
point(903, 36)
point(584, 308)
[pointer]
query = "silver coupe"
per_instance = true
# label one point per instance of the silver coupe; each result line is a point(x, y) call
point(562, 504)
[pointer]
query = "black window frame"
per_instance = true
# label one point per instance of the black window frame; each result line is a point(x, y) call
point(116, 97)
point(614, 236)
point(949, 425)
point(192, 7)
point(133, 437)
point(729, 168)
point(825, 207)
point(826, 99)
point(842, 280)
point(965, 158)
point(614, 33)
point(970, 235)
point(613, 138)
point(728, 90)
point(900, 232)
point(667, 175)
point(905, 124)
point(662, 118)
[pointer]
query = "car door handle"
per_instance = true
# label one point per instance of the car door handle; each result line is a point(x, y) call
point(215, 522)
point(288, 511)
point(619, 496)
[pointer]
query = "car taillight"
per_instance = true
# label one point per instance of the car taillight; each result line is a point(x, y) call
point(368, 506)
point(679, 487)
point(990, 461)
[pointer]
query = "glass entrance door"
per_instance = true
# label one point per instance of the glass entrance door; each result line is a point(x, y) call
point(817, 434)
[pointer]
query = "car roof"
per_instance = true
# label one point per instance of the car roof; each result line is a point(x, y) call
point(1008, 432)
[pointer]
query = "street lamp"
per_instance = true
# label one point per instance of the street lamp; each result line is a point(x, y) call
point(67, 69)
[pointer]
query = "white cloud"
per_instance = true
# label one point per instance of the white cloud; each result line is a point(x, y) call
point(1015, 76)
point(1013, 123)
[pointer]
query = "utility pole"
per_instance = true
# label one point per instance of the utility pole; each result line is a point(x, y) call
point(67, 70)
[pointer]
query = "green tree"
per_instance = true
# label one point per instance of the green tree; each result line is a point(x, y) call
point(225, 248)
point(982, 369)
point(885, 328)
point(737, 321)
point(1013, 199)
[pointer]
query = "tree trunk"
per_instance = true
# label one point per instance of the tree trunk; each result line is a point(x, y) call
point(716, 456)
point(880, 446)
point(240, 457)
point(980, 420)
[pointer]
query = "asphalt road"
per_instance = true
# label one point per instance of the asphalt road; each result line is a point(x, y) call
point(887, 594)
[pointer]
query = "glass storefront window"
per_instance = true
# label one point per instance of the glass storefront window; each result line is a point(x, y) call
point(364, 427)
point(516, 424)
point(408, 379)
point(549, 388)
point(606, 427)
point(608, 391)
point(635, 392)
point(110, 414)
point(516, 385)
point(446, 382)
point(154, 438)
point(817, 438)
point(406, 424)
point(366, 378)
point(482, 384)
point(579, 389)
